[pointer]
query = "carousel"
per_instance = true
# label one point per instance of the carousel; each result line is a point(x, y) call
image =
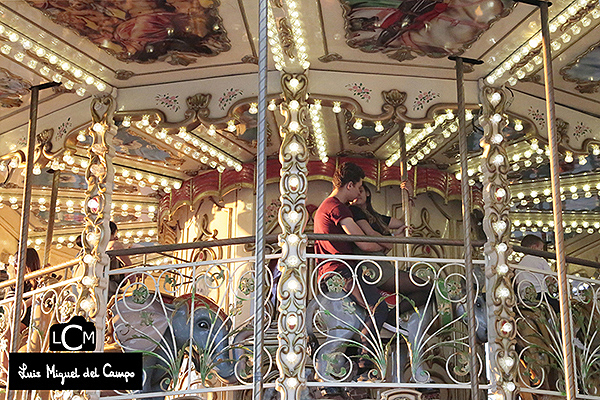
point(166, 161)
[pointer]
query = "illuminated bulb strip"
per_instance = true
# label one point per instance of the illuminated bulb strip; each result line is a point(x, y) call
point(534, 222)
point(291, 7)
point(59, 65)
point(536, 41)
point(274, 40)
point(418, 135)
point(316, 117)
point(199, 145)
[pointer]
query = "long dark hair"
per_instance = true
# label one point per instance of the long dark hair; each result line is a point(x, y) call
point(373, 217)
point(32, 264)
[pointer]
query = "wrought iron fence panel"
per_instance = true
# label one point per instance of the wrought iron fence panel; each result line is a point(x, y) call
point(193, 322)
point(541, 362)
point(424, 340)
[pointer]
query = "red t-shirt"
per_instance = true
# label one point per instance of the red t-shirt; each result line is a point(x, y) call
point(328, 219)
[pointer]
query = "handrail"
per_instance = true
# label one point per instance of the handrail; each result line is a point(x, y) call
point(551, 255)
point(41, 272)
point(340, 238)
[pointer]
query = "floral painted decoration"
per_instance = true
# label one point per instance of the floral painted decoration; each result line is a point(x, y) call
point(424, 98)
point(359, 90)
point(581, 130)
point(228, 96)
point(537, 115)
point(169, 101)
point(64, 128)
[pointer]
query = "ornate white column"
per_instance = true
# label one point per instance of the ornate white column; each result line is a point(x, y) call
point(500, 296)
point(91, 302)
point(292, 290)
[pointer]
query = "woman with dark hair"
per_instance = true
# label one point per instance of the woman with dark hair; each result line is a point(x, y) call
point(32, 264)
point(376, 224)
point(372, 222)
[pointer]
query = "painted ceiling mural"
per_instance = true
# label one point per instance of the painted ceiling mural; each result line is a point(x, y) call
point(144, 30)
point(12, 89)
point(585, 70)
point(435, 28)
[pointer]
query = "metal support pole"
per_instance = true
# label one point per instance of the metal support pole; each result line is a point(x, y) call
point(22, 254)
point(261, 172)
point(466, 212)
point(563, 283)
point(405, 198)
point(51, 215)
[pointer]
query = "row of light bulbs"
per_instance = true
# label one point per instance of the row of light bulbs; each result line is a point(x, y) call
point(527, 154)
point(224, 160)
point(54, 67)
point(535, 42)
point(124, 208)
point(126, 236)
point(416, 136)
point(318, 125)
point(199, 146)
point(274, 40)
point(574, 192)
point(291, 7)
point(293, 15)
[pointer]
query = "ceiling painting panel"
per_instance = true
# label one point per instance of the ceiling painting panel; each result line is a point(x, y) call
point(431, 27)
point(144, 31)
point(12, 89)
point(134, 146)
point(585, 70)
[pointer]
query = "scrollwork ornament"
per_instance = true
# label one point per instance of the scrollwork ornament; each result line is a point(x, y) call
point(198, 106)
point(292, 291)
point(99, 175)
point(394, 101)
point(496, 197)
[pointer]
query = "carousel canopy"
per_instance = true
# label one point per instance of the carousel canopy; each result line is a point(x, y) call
point(184, 75)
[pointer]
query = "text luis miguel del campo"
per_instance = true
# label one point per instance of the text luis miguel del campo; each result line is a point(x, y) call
point(80, 371)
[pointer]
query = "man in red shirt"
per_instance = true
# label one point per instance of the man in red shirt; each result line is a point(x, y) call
point(334, 217)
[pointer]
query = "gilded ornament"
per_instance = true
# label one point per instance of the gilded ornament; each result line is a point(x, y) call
point(198, 106)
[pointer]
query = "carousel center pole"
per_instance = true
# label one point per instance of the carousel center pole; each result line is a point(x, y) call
point(261, 171)
point(33, 110)
point(561, 264)
point(466, 212)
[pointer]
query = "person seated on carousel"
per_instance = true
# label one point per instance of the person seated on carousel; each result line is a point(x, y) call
point(334, 217)
point(526, 282)
point(32, 264)
point(116, 262)
point(376, 224)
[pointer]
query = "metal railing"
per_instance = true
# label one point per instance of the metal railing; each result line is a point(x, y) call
point(402, 355)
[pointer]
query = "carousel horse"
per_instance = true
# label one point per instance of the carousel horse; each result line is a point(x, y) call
point(159, 327)
point(338, 317)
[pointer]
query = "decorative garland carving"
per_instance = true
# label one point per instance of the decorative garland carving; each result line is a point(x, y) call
point(96, 233)
point(496, 224)
point(287, 37)
point(292, 290)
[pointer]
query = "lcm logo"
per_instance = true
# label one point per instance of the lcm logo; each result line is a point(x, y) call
point(75, 335)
